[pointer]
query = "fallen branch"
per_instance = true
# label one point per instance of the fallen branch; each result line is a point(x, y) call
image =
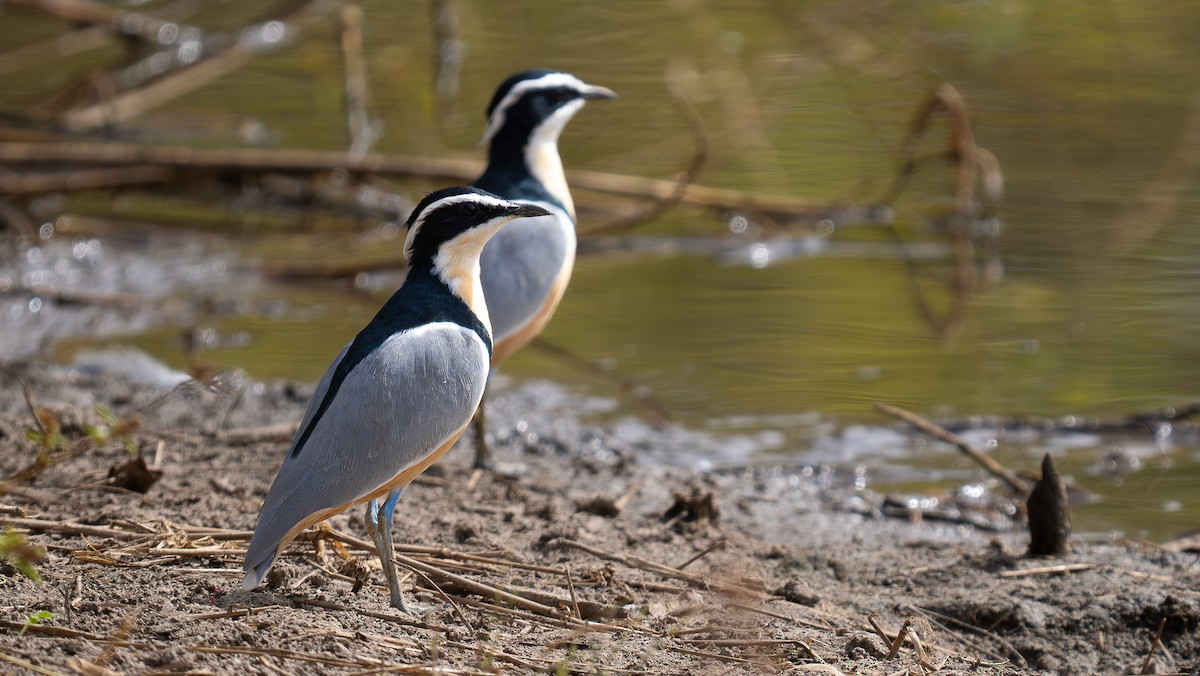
point(1016, 483)
point(441, 170)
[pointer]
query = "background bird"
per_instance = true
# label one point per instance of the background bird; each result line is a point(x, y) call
point(401, 393)
point(526, 267)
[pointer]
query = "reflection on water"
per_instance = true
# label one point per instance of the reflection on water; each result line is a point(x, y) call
point(1091, 113)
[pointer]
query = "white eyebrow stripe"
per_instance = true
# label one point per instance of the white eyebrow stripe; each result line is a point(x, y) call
point(445, 202)
point(548, 81)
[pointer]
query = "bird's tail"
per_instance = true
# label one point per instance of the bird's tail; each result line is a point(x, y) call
point(256, 572)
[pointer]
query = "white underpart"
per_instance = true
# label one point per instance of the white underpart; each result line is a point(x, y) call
point(482, 200)
point(548, 81)
point(541, 154)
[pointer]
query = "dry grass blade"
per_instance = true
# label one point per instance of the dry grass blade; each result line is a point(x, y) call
point(1154, 645)
point(30, 666)
point(946, 621)
point(660, 569)
point(719, 544)
point(285, 654)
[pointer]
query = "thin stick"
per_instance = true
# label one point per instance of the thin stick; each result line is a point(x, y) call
point(574, 601)
point(943, 620)
point(1154, 645)
point(719, 544)
point(362, 129)
point(133, 103)
point(29, 665)
point(879, 630)
point(658, 568)
point(1016, 483)
point(1049, 570)
point(895, 647)
point(780, 616)
point(685, 178)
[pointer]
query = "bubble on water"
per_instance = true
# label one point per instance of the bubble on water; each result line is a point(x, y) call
point(35, 304)
point(167, 33)
point(738, 225)
point(46, 231)
point(760, 255)
point(973, 491)
point(189, 51)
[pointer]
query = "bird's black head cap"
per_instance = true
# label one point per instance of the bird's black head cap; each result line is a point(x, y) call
point(526, 99)
point(445, 214)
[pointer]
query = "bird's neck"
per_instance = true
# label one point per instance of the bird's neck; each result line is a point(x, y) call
point(456, 264)
point(439, 291)
point(530, 156)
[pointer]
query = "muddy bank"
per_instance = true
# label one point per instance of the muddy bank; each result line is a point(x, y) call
point(592, 561)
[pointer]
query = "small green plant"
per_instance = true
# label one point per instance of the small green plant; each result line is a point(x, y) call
point(113, 428)
point(35, 618)
point(16, 549)
point(47, 435)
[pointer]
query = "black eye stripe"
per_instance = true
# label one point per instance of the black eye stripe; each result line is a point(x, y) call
point(469, 209)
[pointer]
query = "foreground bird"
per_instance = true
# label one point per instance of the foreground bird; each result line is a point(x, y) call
point(401, 393)
point(526, 267)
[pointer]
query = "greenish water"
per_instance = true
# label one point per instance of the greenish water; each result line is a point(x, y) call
point(1090, 109)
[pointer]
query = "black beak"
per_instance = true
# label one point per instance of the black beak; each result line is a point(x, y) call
point(523, 210)
point(597, 92)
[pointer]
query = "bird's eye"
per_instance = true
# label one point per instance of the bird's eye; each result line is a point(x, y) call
point(469, 209)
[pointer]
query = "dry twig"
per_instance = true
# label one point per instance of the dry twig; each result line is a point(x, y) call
point(1016, 483)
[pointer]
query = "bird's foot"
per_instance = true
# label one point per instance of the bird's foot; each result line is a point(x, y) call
point(414, 610)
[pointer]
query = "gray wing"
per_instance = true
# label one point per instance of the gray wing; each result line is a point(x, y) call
point(518, 268)
point(400, 403)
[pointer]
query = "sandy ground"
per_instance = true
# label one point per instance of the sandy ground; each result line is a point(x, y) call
point(672, 571)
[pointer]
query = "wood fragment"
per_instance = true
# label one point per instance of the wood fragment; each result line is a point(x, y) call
point(1016, 483)
point(1049, 513)
point(1049, 570)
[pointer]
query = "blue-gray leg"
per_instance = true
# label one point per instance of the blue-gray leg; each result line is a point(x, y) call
point(379, 524)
